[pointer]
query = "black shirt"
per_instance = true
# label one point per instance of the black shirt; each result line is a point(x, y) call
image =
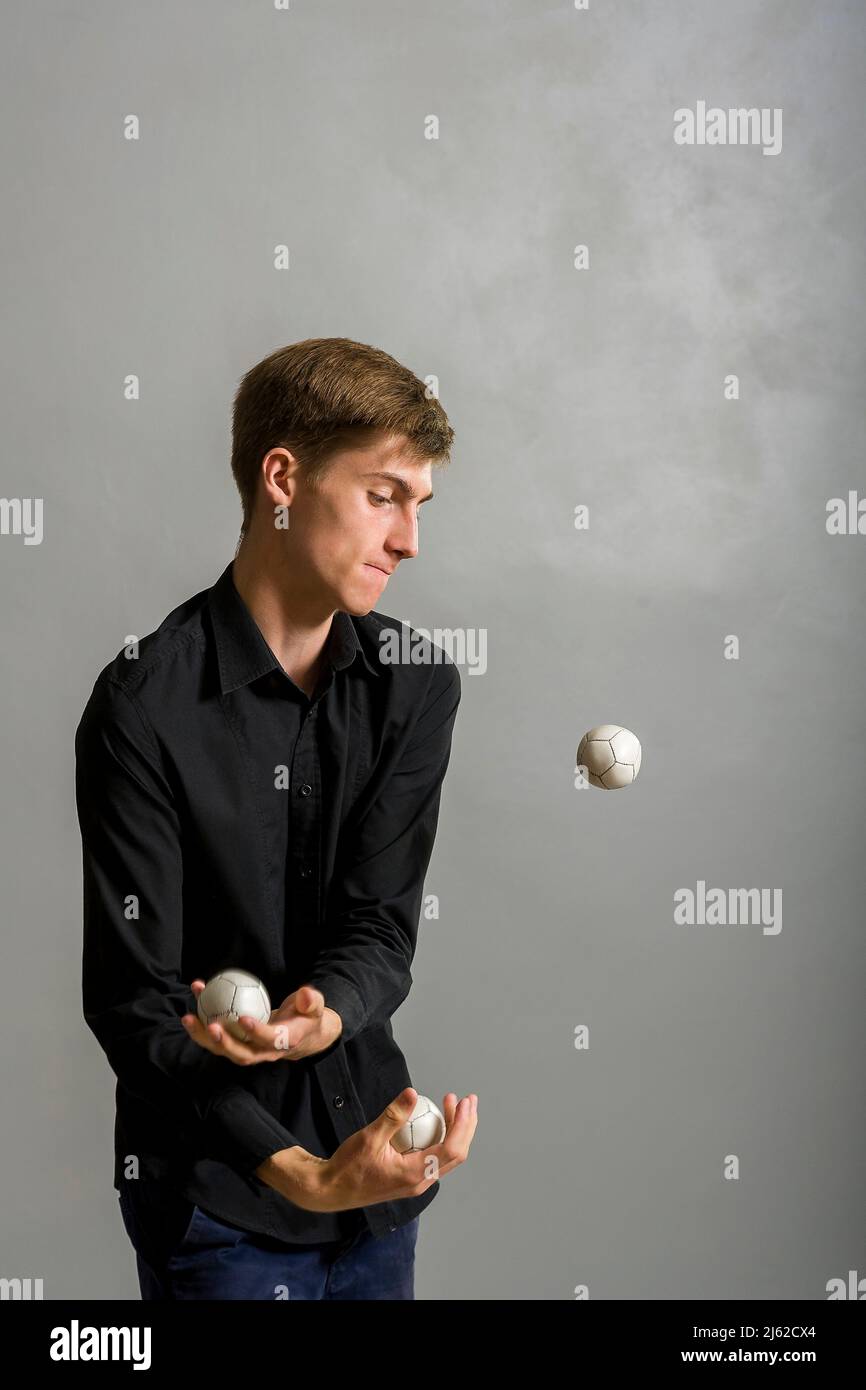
point(229, 820)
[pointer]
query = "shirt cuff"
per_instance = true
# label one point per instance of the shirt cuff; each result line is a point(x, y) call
point(344, 999)
point(241, 1131)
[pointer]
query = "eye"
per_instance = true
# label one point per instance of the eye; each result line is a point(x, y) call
point(376, 498)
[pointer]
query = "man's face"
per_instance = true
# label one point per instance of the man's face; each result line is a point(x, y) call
point(352, 531)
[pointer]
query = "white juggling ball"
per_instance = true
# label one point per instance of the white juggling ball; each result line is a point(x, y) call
point(228, 995)
point(425, 1126)
point(611, 756)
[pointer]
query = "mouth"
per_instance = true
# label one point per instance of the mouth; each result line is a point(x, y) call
point(379, 568)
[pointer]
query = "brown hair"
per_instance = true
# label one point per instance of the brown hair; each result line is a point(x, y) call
point(323, 395)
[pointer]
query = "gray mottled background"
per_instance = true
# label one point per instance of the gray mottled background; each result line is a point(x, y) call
point(602, 1167)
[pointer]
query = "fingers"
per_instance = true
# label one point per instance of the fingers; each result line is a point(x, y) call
point(265, 1040)
point(197, 1031)
point(458, 1134)
point(220, 1041)
point(227, 1045)
point(256, 1036)
point(460, 1124)
point(456, 1112)
point(259, 1045)
point(272, 1038)
point(461, 1121)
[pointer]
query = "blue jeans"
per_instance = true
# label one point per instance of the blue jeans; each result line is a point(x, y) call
point(183, 1252)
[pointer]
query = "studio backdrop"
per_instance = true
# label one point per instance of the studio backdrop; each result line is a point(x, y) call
point(623, 245)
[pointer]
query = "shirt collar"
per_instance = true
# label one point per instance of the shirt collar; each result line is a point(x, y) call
point(242, 652)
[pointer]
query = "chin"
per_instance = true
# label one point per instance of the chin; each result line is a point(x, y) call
point(357, 608)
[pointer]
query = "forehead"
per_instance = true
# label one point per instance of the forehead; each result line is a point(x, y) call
point(393, 457)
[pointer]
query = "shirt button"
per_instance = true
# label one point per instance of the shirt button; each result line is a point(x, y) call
point(338, 1102)
point(306, 789)
point(305, 871)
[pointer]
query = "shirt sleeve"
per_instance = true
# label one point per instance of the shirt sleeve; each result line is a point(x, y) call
point(132, 992)
point(373, 909)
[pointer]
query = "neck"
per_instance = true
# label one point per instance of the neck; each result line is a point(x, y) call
point(294, 625)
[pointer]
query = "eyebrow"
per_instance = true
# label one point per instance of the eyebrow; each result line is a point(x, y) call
point(406, 488)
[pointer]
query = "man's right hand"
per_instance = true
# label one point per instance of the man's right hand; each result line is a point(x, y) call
point(366, 1168)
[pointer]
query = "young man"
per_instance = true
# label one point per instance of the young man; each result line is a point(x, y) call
point(258, 786)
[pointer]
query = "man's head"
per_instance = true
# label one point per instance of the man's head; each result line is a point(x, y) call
point(315, 427)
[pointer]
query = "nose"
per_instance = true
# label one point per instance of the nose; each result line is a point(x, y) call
point(404, 538)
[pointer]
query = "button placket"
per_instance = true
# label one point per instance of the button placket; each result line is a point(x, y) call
point(305, 793)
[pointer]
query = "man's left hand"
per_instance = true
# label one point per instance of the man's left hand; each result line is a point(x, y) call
point(300, 1027)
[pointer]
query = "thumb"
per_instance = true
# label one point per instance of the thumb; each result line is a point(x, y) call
point(396, 1113)
point(309, 1000)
